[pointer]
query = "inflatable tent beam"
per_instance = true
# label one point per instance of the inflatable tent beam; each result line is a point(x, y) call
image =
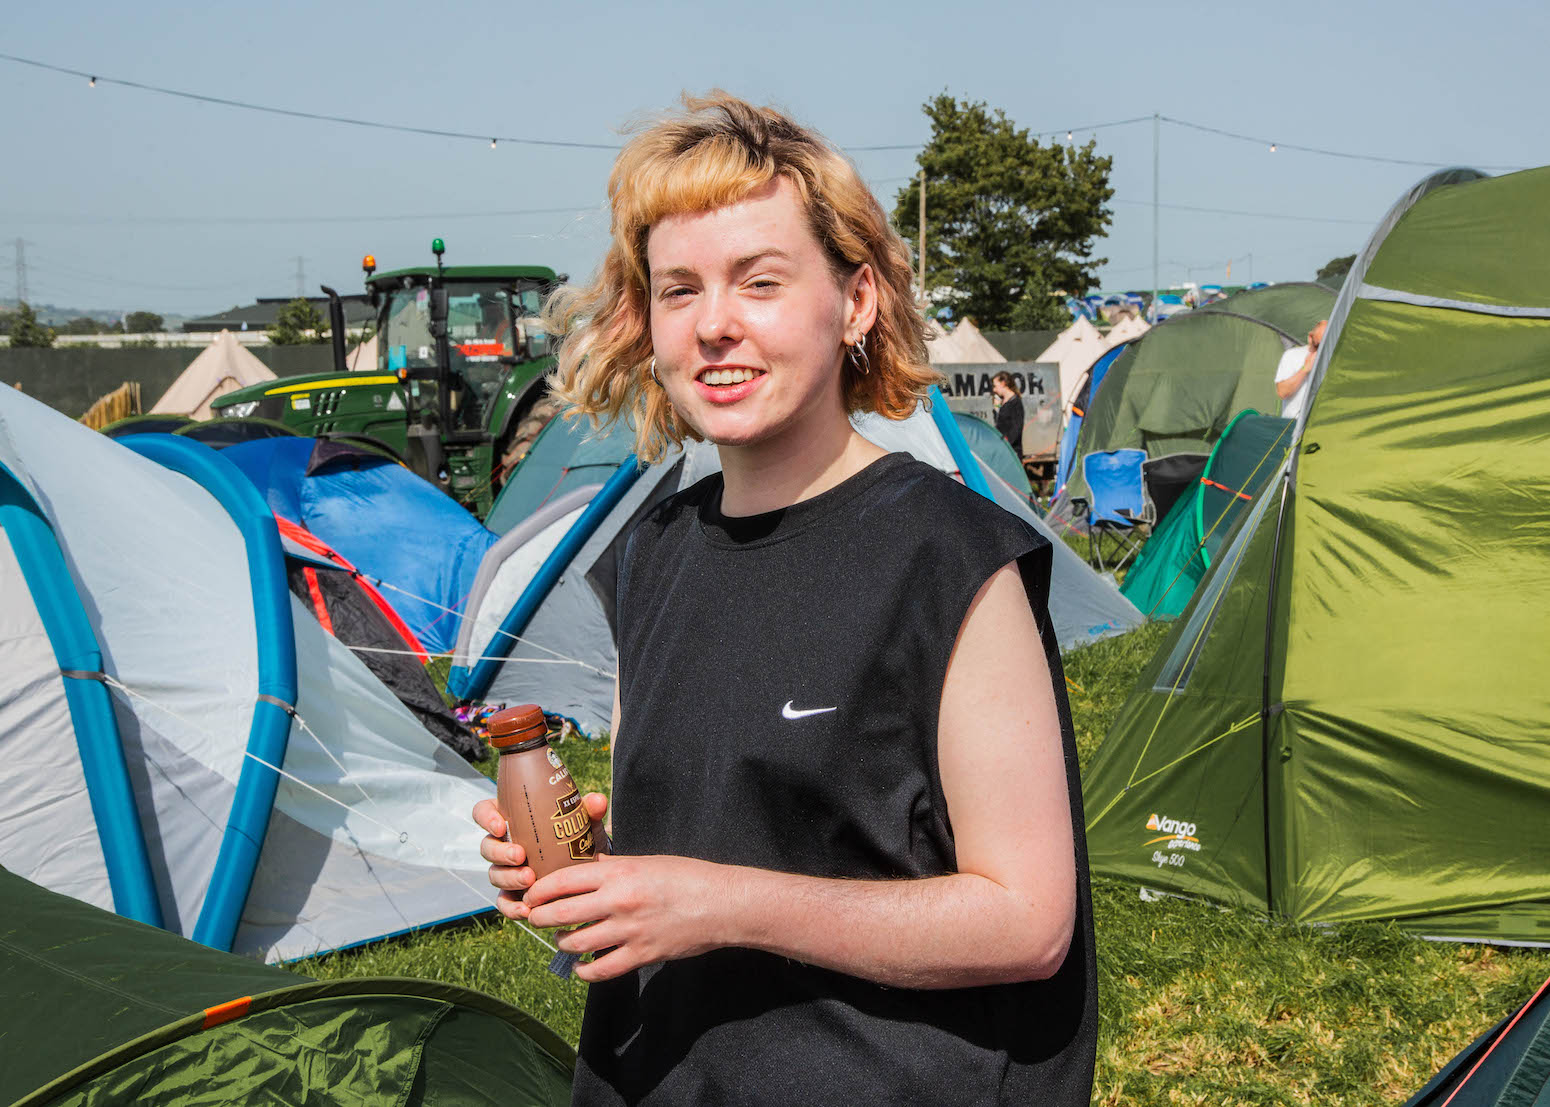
point(957, 445)
point(472, 683)
point(75, 647)
point(248, 822)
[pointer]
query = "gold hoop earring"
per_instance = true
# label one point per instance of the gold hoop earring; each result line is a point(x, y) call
point(858, 356)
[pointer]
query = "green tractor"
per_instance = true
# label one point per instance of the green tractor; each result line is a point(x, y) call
point(458, 389)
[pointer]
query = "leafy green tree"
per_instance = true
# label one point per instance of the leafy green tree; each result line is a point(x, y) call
point(27, 331)
point(298, 323)
point(1335, 268)
point(1008, 219)
point(143, 322)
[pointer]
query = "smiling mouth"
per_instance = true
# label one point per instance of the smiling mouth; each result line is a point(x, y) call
point(725, 378)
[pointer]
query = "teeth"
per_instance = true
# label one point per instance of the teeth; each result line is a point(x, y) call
point(727, 376)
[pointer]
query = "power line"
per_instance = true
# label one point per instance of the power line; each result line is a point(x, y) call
point(494, 139)
point(263, 220)
point(1253, 214)
point(322, 117)
point(1274, 146)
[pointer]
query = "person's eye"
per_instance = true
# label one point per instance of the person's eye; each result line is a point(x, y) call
point(676, 292)
point(764, 284)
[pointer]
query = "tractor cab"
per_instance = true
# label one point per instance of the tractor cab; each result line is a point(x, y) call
point(461, 358)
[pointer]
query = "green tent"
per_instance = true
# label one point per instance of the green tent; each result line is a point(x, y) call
point(1351, 720)
point(1176, 389)
point(1182, 548)
point(1294, 308)
point(101, 1009)
point(994, 451)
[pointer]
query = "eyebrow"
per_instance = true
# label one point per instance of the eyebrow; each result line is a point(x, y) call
point(680, 271)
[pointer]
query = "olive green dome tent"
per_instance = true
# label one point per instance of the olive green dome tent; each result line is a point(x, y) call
point(1178, 387)
point(1352, 720)
point(101, 1009)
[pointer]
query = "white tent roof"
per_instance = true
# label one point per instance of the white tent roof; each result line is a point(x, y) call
point(362, 358)
point(222, 367)
point(965, 345)
point(1074, 350)
point(1126, 330)
point(369, 832)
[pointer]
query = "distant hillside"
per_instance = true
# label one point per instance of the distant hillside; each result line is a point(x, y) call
point(52, 315)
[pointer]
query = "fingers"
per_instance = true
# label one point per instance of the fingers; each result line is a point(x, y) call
point(569, 911)
point(488, 816)
point(572, 881)
point(613, 964)
point(499, 852)
point(508, 878)
point(597, 805)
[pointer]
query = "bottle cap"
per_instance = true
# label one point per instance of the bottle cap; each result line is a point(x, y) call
point(517, 725)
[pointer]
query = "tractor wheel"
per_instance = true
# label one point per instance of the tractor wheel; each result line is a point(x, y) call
point(524, 431)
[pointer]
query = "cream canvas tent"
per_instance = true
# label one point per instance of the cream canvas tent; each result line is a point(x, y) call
point(1126, 330)
point(222, 367)
point(362, 358)
point(1074, 350)
point(964, 346)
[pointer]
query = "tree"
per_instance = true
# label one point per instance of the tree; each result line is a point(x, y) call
point(298, 323)
point(1335, 268)
point(27, 331)
point(1008, 220)
point(143, 322)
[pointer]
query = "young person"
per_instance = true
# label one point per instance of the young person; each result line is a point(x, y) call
point(1009, 416)
point(848, 861)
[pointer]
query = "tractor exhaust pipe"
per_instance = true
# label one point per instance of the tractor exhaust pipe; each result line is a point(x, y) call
point(336, 326)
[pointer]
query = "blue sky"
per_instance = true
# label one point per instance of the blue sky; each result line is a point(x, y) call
point(128, 199)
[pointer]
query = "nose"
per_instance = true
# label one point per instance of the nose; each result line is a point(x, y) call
point(719, 322)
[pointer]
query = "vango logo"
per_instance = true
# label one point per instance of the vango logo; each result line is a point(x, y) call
point(1173, 827)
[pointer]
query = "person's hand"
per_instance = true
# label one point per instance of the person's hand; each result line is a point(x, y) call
point(509, 870)
point(641, 910)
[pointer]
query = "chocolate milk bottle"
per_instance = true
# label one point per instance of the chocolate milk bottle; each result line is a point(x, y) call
point(535, 793)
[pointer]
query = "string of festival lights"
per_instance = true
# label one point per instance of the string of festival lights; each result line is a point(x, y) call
point(494, 140)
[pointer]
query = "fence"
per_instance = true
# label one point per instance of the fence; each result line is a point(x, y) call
point(70, 379)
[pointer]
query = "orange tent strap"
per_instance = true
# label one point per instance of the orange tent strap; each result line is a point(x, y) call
point(225, 1012)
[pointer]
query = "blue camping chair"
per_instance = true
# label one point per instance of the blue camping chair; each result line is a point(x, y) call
point(1118, 508)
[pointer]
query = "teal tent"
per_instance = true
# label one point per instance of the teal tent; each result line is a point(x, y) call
point(1179, 552)
point(1507, 1066)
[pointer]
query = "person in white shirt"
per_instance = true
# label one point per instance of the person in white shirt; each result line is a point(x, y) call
point(1293, 371)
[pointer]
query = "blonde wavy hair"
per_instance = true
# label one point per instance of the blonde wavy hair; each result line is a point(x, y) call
point(713, 153)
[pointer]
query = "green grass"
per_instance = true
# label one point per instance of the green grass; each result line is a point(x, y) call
point(1198, 1004)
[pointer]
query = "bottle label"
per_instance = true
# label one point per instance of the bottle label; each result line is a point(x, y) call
point(573, 826)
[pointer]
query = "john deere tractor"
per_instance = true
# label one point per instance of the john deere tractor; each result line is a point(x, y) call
point(457, 390)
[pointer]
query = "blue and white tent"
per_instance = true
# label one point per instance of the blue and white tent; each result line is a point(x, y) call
point(541, 625)
point(181, 741)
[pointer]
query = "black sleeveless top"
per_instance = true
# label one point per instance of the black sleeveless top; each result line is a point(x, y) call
point(781, 676)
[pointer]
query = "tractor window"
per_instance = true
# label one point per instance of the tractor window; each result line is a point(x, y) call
point(406, 335)
point(480, 333)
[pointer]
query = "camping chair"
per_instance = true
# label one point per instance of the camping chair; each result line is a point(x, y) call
point(1169, 477)
point(1117, 507)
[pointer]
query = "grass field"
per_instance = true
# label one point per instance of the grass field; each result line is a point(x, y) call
point(1199, 1005)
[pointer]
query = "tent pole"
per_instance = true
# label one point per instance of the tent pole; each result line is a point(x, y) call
point(1264, 691)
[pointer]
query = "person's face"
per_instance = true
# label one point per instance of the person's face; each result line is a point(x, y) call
point(1316, 335)
point(748, 322)
point(1001, 390)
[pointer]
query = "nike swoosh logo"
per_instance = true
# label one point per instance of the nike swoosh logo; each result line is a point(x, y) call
point(789, 712)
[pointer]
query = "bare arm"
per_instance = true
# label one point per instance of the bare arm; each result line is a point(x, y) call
point(1288, 388)
point(1006, 915)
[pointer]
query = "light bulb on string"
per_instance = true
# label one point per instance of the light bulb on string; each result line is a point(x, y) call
point(1272, 147)
point(1068, 136)
point(492, 144)
point(92, 83)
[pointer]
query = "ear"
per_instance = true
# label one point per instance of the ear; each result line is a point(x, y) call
point(860, 303)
